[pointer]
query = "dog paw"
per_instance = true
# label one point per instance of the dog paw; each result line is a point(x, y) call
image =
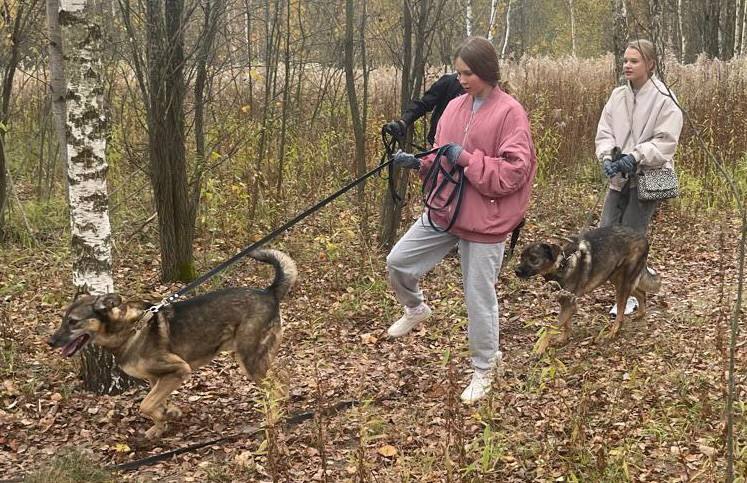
point(173, 412)
point(155, 432)
point(614, 330)
point(560, 340)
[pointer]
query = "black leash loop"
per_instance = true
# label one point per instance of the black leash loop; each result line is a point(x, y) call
point(453, 176)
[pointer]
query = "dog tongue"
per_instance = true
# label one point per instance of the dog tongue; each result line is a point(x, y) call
point(74, 345)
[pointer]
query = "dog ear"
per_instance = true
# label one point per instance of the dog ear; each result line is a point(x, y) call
point(552, 250)
point(107, 302)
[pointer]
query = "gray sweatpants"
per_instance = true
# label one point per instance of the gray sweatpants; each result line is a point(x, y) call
point(624, 208)
point(420, 249)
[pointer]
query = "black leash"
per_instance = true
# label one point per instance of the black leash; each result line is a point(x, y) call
point(321, 204)
point(246, 433)
point(454, 175)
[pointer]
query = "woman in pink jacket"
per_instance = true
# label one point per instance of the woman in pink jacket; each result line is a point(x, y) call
point(643, 120)
point(486, 139)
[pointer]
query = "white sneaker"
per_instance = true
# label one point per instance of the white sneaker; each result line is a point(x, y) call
point(630, 306)
point(479, 387)
point(411, 318)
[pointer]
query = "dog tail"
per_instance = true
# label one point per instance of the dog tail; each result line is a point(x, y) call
point(649, 282)
point(285, 270)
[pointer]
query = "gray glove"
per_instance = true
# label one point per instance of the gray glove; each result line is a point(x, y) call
point(402, 159)
point(626, 164)
point(452, 152)
point(609, 168)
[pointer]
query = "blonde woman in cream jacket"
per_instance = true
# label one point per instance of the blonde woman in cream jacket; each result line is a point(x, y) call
point(643, 120)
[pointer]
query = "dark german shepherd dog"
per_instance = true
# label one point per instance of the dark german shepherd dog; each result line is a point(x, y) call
point(616, 253)
point(184, 336)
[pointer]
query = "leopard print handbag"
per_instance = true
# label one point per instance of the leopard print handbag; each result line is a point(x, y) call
point(658, 184)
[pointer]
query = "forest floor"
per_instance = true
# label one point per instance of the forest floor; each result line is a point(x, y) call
point(646, 406)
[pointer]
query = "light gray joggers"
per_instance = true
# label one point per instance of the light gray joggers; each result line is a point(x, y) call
point(420, 249)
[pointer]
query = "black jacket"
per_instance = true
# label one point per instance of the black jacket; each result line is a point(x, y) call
point(435, 99)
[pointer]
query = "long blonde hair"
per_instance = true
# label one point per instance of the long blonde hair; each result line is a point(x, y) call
point(647, 49)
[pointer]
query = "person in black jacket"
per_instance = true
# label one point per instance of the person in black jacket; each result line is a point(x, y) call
point(435, 99)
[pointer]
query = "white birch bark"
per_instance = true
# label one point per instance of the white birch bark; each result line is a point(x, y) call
point(493, 15)
point(468, 18)
point(508, 29)
point(86, 146)
point(573, 27)
point(742, 48)
point(683, 42)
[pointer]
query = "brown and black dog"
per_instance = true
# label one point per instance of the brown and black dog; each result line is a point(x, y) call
point(184, 336)
point(617, 254)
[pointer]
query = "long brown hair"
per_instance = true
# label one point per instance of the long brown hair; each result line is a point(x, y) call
point(482, 59)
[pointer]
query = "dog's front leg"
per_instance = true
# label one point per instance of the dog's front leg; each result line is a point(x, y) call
point(568, 307)
point(154, 405)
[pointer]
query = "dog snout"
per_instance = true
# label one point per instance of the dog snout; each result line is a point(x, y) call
point(521, 272)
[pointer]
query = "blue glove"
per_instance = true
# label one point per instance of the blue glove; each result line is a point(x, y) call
point(452, 152)
point(402, 159)
point(609, 168)
point(626, 164)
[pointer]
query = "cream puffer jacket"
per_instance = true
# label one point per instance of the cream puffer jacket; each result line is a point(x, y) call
point(646, 124)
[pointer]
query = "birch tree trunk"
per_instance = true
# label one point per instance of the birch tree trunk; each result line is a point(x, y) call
point(743, 47)
point(738, 26)
point(468, 18)
point(683, 41)
point(508, 29)
point(573, 27)
point(493, 17)
point(84, 141)
point(619, 35)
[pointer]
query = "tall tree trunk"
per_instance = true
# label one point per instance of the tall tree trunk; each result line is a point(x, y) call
point(286, 102)
point(712, 10)
point(619, 35)
point(166, 138)
point(18, 22)
point(83, 141)
point(572, 12)
point(212, 11)
point(391, 210)
point(726, 29)
point(358, 129)
point(492, 19)
point(738, 14)
point(468, 17)
point(683, 37)
point(655, 29)
point(508, 29)
point(743, 42)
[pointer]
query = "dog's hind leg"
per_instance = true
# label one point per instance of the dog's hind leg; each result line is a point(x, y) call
point(568, 307)
point(154, 405)
point(255, 349)
point(640, 295)
point(622, 292)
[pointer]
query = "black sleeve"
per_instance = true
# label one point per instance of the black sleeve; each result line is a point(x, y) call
point(432, 97)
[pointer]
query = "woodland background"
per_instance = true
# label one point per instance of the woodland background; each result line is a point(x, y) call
point(215, 121)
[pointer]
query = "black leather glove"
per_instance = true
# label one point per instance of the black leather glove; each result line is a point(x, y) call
point(405, 160)
point(452, 152)
point(626, 164)
point(396, 128)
